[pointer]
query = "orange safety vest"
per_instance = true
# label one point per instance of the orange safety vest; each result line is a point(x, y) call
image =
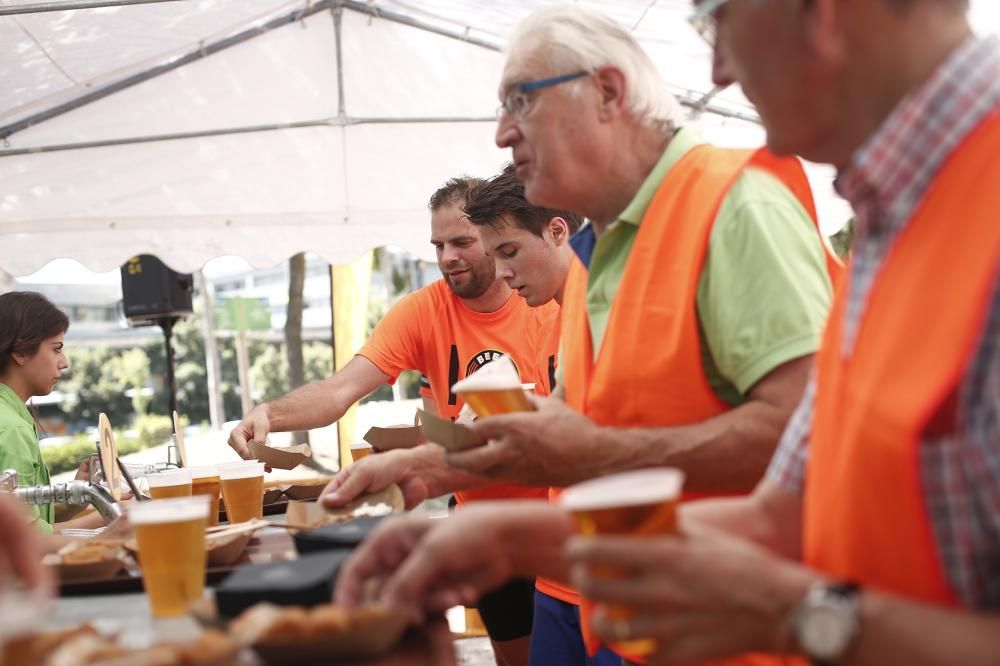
point(649, 371)
point(866, 517)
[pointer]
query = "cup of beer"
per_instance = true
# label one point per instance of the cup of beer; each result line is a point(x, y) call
point(205, 481)
point(495, 389)
point(360, 450)
point(642, 503)
point(170, 483)
point(171, 538)
point(243, 490)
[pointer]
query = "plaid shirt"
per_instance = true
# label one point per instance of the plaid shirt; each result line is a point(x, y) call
point(885, 183)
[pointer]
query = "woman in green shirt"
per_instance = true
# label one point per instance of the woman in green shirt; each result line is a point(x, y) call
point(31, 363)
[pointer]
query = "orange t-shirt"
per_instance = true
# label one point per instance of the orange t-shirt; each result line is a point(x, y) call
point(434, 332)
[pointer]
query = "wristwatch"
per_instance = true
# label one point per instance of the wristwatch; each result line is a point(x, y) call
point(827, 621)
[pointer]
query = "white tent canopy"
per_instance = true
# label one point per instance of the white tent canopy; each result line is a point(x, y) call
point(260, 128)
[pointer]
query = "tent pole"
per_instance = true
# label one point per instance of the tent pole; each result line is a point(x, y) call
point(69, 5)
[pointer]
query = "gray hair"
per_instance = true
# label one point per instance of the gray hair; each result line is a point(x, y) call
point(569, 37)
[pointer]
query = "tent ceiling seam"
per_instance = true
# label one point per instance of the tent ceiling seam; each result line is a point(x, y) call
point(46, 53)
point(308, 8)
point(642, 16)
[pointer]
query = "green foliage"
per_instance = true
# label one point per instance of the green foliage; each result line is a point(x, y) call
point(66, 457)
point(269, 372)
point(843, 240)
point(191, 375)
point(99, 379)
point(154, 429)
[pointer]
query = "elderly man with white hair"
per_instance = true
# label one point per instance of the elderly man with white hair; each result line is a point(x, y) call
point(689, 323)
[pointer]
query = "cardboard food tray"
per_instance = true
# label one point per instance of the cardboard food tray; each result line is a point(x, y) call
point(394, 437)
point(303, 492)
point(288, 457)
point(323, 633)
point(310, 515)
point(452, 436)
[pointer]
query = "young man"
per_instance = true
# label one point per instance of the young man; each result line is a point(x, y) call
point(446, 330)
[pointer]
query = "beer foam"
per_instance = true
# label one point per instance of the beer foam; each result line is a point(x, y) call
point(496, 375)
point(170, 477)
point(244, 471)
point(204, 472)
point(644, 486)
point(173, 510)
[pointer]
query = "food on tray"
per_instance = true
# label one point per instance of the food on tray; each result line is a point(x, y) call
point(91, 551)
point(83, 646)
point(282, 633)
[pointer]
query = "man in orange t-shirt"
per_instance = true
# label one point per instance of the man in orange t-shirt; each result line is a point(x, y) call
point(447, 331)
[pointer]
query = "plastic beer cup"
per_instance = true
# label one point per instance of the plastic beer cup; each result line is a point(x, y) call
point(243, 490)
point(170, 483)
point(171, 537)
point(641, 504)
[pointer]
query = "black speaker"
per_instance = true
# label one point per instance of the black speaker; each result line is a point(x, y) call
point(152, 291)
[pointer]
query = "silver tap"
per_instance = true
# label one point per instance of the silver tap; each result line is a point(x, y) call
point(77, 493)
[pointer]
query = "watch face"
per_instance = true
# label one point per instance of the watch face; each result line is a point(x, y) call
point(825, 632)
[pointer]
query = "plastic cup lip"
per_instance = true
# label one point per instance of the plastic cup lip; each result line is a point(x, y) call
point(170, 510)
point(170, 477)
point(203, 471)
point(360, 445)
point(241, 471)
point(635, 488)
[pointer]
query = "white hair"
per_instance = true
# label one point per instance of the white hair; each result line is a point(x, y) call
point(568, 37)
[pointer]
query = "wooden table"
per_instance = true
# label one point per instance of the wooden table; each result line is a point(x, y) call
point(127, 614)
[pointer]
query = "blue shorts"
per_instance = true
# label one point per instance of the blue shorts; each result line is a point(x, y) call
point(556, 639)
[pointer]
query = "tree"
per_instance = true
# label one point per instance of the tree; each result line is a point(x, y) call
point(293, 329)
point(101, 380)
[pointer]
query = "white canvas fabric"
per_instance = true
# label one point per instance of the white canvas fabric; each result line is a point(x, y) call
point(251, 151)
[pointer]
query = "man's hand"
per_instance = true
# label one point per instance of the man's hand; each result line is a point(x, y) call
point(20, 548)
point(433, 565)
point(254, 427)
point(405, 467)
point(701, 596)
point(553, 446)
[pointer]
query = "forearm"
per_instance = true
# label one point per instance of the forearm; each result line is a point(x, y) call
point(439, 476)
point(894, 631)
point(770, 517)
point(728, 453)
point(314, 405)
point(536, 533)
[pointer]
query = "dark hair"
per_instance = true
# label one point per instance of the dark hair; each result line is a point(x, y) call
point(26, 320)
point(454, 192)
point(503, 195)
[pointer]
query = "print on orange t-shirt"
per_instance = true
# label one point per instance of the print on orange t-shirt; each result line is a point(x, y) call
point(434, 332)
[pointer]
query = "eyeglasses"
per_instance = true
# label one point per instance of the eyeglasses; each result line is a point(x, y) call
point(703, 19)
point(517, 101)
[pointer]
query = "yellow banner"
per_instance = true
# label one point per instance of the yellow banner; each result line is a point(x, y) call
point(350, 285)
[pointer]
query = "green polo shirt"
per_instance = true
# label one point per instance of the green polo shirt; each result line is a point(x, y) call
point(764, 291)
point(19, 451)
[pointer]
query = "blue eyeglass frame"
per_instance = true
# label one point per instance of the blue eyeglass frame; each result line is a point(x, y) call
point(540, 84)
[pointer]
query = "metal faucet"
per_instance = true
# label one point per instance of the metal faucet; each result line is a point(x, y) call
point(77, 493)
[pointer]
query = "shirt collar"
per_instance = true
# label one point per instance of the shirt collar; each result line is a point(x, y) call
point(684, 140)
point(888, 175)
point(12, 400)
